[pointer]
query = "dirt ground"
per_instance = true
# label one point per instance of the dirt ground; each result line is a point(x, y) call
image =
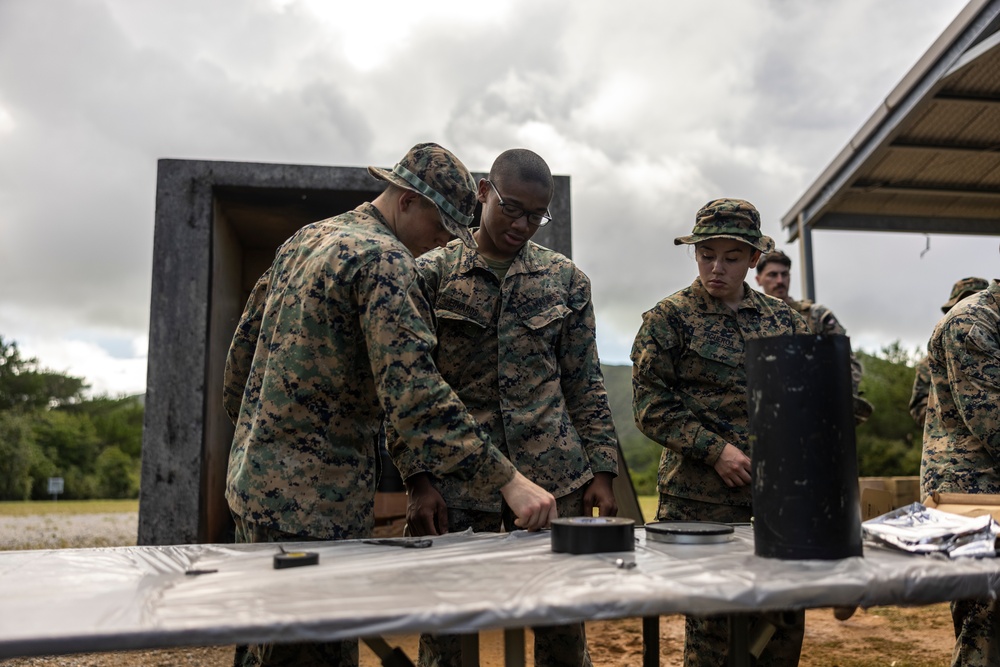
point(877, 637)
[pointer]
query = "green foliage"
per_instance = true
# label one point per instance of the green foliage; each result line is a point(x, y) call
point(889, 442)
point(18, 453)
point(48, 429)
point(642, 455)
point(25, 385)
point(117, 474)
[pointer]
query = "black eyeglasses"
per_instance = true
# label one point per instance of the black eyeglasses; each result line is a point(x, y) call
point(515, 212)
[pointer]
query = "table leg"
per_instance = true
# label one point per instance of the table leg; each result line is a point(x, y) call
point(470, 650)
point(739, 641)
point(650, 641)
point(513, 647)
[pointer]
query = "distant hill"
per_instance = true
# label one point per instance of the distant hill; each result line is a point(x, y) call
point(642, 455)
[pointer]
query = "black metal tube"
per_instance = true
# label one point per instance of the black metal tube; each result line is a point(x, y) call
point(804, 455)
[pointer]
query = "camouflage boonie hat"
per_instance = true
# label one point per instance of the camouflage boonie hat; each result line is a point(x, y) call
point(730, 219)
point(963, 288)
point(435, 173)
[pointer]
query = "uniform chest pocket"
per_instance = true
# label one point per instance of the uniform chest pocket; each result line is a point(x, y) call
point(548, 318)
point(464, 348)
point(718, 352)
point(456, 324)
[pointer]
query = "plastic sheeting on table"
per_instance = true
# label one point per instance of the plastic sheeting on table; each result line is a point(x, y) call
point(77, 600)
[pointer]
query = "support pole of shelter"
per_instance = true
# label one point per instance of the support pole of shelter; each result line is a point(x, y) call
point(806, 259)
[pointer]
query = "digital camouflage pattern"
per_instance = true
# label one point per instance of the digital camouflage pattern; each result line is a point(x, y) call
point(690, 388)
point(706, 638)
point(555, 645)
point(438, 175)
point(977, 630)
point(522, 356)
point(962, 438)
point(963, 288)
point(822, 321)
point(333, 337)
point(962, 431)
point(922, 380)
point(920, 392)
point(728, 218)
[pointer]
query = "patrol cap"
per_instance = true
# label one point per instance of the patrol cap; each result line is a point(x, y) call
point(435, 172)
point(730, 219)
point(963, 288)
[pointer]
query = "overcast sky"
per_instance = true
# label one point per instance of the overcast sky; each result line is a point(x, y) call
point(653, 108)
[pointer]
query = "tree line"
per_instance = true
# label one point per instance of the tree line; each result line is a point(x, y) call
point(888, 444)
point(49, 428)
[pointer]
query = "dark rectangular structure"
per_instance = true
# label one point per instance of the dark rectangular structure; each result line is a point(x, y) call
point(217, 227)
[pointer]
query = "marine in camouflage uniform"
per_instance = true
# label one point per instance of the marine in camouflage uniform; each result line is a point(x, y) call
point(962, 440)
point(516, 340)
point(921, 391)
point(690, 395)
point(335, 336)
point(774, 278)
point(922, 377)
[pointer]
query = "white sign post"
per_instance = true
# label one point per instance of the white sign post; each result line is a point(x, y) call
point(55, 486)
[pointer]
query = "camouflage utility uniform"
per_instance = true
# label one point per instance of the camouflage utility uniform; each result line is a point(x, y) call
point(962, 440)
point(690, 395)
point(922, 379)
point(333, 336)
point(522, 355)
point(921, 391)
point(822, 321)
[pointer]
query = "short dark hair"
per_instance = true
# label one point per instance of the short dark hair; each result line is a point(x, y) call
point(775, 256)
point(524, 165)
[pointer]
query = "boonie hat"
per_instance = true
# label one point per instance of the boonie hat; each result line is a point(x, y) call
point(435, 172)
point(963, 288)
point(730, 219)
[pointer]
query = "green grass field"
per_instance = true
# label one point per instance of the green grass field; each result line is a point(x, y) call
point(36, 507)
point(648, 506)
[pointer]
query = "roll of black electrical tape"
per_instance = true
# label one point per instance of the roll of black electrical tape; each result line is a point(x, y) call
point(592, 534)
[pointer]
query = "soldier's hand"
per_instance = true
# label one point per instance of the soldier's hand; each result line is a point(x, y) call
point(533, 506)
point(600, 494)
point(426, 511)
point(733, 466)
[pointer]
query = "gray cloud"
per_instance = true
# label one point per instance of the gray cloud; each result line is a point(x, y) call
point(653, 108)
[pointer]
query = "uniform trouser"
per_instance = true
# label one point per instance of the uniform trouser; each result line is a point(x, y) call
point(977, 633)
point(706, 638)
point(325, 654)
point(556, 645)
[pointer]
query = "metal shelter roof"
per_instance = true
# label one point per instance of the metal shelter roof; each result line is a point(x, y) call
point(928, 159)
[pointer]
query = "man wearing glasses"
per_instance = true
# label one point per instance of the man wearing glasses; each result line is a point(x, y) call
point(516, 341)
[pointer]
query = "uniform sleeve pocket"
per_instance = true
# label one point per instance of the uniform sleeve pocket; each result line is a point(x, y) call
point(980, 341)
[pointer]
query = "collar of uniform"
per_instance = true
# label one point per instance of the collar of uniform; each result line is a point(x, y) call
point(994, 290)
point(713, 305)
point(372, 211)
point(525, 261)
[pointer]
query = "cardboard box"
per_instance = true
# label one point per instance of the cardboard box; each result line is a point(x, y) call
point(875, 502)
point(966, 504)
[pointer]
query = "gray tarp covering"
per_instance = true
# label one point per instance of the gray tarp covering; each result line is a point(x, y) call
point(76, 600)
